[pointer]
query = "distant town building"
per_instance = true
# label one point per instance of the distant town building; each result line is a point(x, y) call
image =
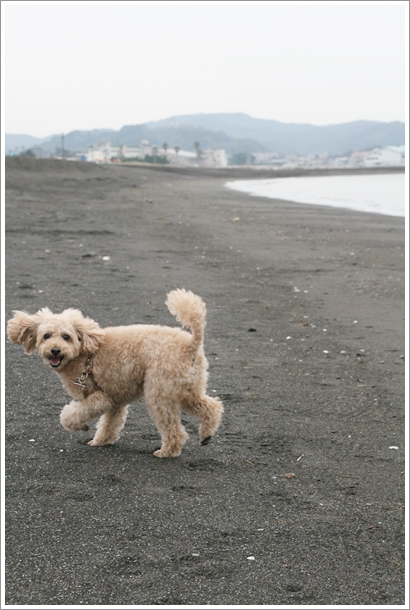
point(385, 157)
point(106, 153)
point(102, 153)
point(388, 156)
point(214, 158)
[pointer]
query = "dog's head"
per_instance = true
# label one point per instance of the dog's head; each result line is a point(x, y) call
point(58, 338)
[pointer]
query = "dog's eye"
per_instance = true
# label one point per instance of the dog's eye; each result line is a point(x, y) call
point(47, 336)
point(66, 337)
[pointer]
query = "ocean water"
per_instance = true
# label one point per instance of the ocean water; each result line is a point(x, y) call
point(377, 193)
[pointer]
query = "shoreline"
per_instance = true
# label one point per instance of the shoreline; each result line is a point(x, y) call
point(374, 194)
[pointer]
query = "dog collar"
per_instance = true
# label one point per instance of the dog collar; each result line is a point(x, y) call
point(88, 370)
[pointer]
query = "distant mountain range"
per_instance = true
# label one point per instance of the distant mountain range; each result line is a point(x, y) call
point(235, 132)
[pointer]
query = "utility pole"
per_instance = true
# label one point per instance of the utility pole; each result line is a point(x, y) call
point(62, 146)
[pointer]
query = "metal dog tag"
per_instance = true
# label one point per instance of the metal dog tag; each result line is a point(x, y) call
point(80, 380)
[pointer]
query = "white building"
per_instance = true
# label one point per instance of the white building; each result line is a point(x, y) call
point(392, 156)
point(105, 153)
point(214, 158)
point(102, 153)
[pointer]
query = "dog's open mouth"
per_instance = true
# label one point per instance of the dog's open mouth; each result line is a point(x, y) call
point(55, 361)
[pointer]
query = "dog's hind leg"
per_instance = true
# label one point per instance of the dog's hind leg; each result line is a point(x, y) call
point(109, 426)
point(167, 418)
point(173, 433)
point(165, 410)
point(209, 411)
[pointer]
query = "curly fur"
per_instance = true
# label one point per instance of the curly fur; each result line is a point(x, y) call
point(166, 366)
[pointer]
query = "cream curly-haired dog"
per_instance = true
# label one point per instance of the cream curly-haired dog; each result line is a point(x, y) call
point(104, 369)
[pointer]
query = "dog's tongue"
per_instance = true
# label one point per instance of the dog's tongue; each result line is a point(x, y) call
point(55, 361)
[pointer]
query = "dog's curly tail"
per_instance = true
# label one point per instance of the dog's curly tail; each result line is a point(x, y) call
point(190, 311)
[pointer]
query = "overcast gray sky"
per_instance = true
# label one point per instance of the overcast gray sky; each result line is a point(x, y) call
point(104, 65)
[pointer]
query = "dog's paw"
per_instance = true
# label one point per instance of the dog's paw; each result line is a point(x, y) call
point(96, 443)
point(206, 440)
point(161, 453)
point(70, 418)
point(93, 443)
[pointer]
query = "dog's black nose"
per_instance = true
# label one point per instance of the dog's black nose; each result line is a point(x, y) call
point(55, 351)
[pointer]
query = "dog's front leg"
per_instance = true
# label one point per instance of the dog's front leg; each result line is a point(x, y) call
point(76, 414)
point(109, 426)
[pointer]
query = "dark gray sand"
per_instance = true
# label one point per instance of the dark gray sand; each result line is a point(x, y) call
point(305, 340)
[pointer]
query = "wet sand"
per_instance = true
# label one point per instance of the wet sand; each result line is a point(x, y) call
point(305, 340)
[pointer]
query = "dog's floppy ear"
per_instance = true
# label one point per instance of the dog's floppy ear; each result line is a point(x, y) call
point(22, 329)
point(89, 332)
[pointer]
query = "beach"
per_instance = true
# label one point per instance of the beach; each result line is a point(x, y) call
point(299, 498)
